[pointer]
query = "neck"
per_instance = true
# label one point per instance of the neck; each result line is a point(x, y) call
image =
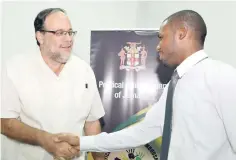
point(189, 51)
point(56, 67)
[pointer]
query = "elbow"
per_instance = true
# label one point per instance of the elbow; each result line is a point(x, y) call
point(143, 140)
point(140, 142)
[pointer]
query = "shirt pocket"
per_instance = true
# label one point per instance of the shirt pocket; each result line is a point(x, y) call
point(82, 99)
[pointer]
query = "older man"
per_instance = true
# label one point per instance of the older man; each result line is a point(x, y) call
point(49, 92)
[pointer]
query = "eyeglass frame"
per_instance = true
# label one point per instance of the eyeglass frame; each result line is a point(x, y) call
point(73, 33)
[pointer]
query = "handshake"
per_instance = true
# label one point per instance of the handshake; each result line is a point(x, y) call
point(62, 146)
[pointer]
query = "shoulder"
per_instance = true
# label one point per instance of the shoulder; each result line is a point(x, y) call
point(20, 61)
point(220, 72)
point(219, 67)
point(19, 57)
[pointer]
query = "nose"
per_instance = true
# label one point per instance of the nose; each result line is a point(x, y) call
point(68, 37)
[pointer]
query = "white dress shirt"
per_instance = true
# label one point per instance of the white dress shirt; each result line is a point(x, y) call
point(204, 116)
point(43, 100)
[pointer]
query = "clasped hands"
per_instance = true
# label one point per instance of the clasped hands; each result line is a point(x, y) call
point(62, 146)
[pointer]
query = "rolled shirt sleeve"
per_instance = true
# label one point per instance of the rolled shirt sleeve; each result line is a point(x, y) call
point(97, 110)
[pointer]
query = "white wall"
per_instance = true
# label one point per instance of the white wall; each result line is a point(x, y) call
point(18, 17)
point(220, 18)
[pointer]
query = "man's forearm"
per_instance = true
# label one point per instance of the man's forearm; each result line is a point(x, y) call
point(93, 128)
point(17, 130)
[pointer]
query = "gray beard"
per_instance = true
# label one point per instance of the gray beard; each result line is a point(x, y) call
point(58, 58)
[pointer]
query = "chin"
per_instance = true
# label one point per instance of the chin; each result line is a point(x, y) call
point(65, 55)
point(164, 62)
point(63, 59)
point(168, 64)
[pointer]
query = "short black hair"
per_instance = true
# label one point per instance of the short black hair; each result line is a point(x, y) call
point(41, 17)
point(192, 19)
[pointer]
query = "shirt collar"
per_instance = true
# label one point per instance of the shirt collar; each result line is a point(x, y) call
point(190, 61)
point(46, 67)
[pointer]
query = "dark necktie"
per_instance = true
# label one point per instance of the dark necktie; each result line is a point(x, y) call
point(168, 117)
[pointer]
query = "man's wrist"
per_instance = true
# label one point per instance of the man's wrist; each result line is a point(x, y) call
point(40, 137)
point(87, 143)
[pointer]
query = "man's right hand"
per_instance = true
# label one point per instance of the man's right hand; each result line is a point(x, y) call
point(58, 149)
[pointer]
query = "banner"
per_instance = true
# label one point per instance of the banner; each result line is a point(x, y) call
point(130, 78)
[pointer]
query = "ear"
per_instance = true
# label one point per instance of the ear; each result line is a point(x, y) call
point(40, 37)
point(183, 30)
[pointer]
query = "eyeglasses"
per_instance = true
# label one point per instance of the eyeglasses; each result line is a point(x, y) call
point(61, 33)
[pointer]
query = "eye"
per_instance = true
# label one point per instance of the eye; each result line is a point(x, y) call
point(60, 33)
point(160, 36)
point(71, 33)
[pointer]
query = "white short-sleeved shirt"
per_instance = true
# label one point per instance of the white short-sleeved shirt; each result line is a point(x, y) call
point(41, 99)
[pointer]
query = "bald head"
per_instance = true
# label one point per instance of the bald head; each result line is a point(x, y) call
point(192, 20)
